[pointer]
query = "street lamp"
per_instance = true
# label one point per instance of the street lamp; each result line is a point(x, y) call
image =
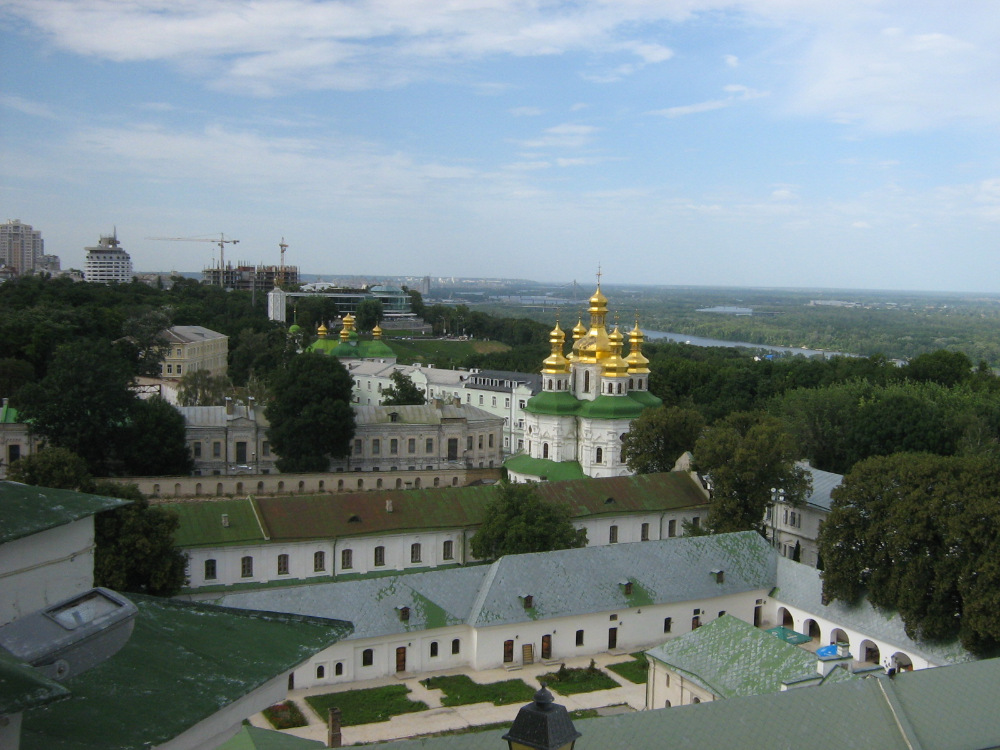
point(542, 725)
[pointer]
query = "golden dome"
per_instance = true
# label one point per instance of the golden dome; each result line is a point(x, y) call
point(614, 365)
point(579, 330)
point(377, 331)
point(637, 363)
point(322, 331)
point(594, 346)
point(556, 363)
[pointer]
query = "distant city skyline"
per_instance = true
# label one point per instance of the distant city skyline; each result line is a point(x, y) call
point(759, 143)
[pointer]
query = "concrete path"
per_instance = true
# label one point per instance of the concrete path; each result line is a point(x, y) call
point(438, 718)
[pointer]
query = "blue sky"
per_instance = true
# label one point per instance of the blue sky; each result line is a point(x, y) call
point(749, 143)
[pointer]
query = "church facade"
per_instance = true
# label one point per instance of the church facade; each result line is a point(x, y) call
point(576, 426)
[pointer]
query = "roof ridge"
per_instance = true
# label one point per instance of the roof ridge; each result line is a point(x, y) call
point(484, 588)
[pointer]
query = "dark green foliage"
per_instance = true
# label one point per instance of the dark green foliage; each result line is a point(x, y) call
point(369, 314)
point(518, 521)
point(135, 546)
point(659, 436)
point(942, 367)
point(285, 715)
point(14, 373)
point(58, 468)
point(201, 388)
point(310, 413)
point(154, 440)
point(402, 392)
point(83, 403)
point(917, 533)
point(746, 455)
point(259, 353)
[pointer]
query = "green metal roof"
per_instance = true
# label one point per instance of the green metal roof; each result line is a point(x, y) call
point(553, 402)
point(27, 510)
point(545, 468)
point(183, 663)
point(255, 738)
point(295, 518)
point(628, 406)
point(8, 414)
point(730, 657)
point(611, 407)
point(22, 687)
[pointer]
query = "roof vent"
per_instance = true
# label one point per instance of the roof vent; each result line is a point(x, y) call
point(225, 520)
point(354, 519)
point(609, 501)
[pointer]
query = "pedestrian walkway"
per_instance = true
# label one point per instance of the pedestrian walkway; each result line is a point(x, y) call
point(438, 718)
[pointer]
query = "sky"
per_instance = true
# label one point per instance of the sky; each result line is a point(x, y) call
point(777, 143)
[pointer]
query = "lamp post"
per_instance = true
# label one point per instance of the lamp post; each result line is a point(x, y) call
point(542, 725)
point(777, 496)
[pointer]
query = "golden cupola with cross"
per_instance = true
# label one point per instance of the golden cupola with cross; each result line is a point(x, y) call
point(595, 346)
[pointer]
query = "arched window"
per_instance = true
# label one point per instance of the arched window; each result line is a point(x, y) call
point(545, 450)
point(586, 381)
point(282, 565)
point(379, 556)
point(367, 657)
point(456, 646)
point(346, 559)
point(320, 671)
point(550, 384)
point(338, 669)
point(599, 456)
point(246, 567)
point(434, 648)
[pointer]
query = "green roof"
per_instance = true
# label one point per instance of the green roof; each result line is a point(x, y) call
point(22, 687)
point(545, 468)
point(553, 402)
point(255, 738)
point(730, 657)
point(349, 514)
point(559, 403)
point(183, 663)
point(8, 414)
point(645, 398)
point(27, 510)
point(611, 407)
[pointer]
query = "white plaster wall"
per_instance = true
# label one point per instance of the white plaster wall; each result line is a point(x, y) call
point(45, 568)
point(605, 434)
point(663, 684)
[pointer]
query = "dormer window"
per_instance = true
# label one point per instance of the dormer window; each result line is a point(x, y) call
point(394, 416)
point(628, 588)
point(404, 614)
point(720, 575)
point(529, 601)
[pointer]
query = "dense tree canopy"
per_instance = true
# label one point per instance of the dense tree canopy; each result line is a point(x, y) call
point(134, 544)
point(402, 392)
point(202, 388)
point(310, 413)
point(369, 314)
point(917, 533)
point(519, 521)
point(747, 456)
point(659, 436)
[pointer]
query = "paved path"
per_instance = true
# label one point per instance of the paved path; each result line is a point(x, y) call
point(438, 718)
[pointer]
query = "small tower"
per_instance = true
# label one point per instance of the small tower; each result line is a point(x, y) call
point(614, 373)
point(555, 368)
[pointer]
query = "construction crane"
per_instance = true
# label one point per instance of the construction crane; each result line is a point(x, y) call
point(284, 246)
point(221, 242)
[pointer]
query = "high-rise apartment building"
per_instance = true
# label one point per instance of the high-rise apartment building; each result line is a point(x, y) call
point(20, 246)
point(107, 262)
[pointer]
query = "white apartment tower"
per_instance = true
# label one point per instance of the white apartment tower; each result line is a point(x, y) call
point(107, 263)
point(20, 246)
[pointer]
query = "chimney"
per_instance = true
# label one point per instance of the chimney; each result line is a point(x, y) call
point(457, 401)
point(225, 520)
point(333, 738)
point(388, 505)
point(229, 406)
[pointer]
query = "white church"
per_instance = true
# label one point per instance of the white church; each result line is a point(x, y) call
point(576, 426)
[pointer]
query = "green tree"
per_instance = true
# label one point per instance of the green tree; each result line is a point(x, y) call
point(83, 403)
point(310, 413)
point(747, 455)
point(943, 367)
point(369, 314)
point(53, 467)
point(402, 392)
point(202, 388)
point(917, 533)
point(519, 521)
point(155, 443)
point(134, 544)
point(14, 373)
point(659, 436)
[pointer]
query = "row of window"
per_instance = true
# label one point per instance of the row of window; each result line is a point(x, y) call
point(411, 446)
point(368, 655)
point(241, 450)
point(319, 560)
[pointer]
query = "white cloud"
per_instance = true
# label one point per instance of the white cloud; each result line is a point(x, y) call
point(567, 135)
point(27, 107)
point(525, 111)
point(737, 94)
point(732, 61)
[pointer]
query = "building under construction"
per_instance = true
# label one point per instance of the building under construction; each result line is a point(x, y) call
point(247, 278)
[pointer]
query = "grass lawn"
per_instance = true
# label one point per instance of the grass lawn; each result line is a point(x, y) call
point(366, 706)
point(633, 671)
point(460, 690)
point(285, 715)
point(577, 680)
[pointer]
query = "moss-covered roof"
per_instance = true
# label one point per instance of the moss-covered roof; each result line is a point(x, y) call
point(731, 658)
point(255, 738)
point(183, 663)
point(27, 510)
point(545, 468)
point(22, 687)
point(361, 513)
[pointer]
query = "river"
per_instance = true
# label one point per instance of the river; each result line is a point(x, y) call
point(699, 341)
